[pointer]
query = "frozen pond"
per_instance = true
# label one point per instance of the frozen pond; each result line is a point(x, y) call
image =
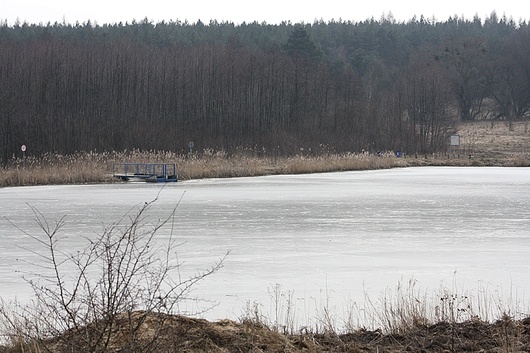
point(320, 240)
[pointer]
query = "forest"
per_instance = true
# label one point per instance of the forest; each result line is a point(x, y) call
point(275, 90)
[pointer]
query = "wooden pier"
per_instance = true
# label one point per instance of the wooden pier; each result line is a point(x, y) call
point(150, 172)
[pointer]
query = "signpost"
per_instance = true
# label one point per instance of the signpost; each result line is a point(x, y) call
point(455, 143)
point(23, 149)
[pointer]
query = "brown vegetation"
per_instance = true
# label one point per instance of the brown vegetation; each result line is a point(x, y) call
point(97, 167)
point(184, 334)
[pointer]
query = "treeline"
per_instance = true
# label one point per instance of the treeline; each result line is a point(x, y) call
point(274, 89)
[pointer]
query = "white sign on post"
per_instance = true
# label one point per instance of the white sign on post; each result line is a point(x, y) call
point(23, 148)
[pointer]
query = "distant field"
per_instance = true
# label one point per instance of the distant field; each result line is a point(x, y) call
point(495, 139)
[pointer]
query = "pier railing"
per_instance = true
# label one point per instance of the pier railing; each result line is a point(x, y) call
point(155, 172)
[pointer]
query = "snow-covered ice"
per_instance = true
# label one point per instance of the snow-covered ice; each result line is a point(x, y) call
point(323, 240)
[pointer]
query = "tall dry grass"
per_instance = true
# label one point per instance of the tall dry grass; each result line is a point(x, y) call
point(402, 309)
point(398, 310)
point(96, 167)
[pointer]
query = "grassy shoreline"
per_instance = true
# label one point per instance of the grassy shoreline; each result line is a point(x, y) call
point(93, 167)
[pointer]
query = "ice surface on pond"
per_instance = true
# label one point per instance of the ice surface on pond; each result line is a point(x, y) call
point(322, 240)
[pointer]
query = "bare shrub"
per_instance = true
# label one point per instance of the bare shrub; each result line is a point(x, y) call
point(99, 297)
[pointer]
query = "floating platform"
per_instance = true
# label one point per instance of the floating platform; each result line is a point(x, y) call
point(149, 172)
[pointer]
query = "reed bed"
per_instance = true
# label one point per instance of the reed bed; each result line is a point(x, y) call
point(96, 167)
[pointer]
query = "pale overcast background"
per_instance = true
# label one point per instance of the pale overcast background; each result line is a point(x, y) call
point(237, 11)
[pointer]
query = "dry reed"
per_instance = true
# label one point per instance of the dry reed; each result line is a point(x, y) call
point(96, 167)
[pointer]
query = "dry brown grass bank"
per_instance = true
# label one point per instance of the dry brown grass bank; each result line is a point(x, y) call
point(97, 167)
point(81, 168)
point(183, 334)
point(84, 168)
